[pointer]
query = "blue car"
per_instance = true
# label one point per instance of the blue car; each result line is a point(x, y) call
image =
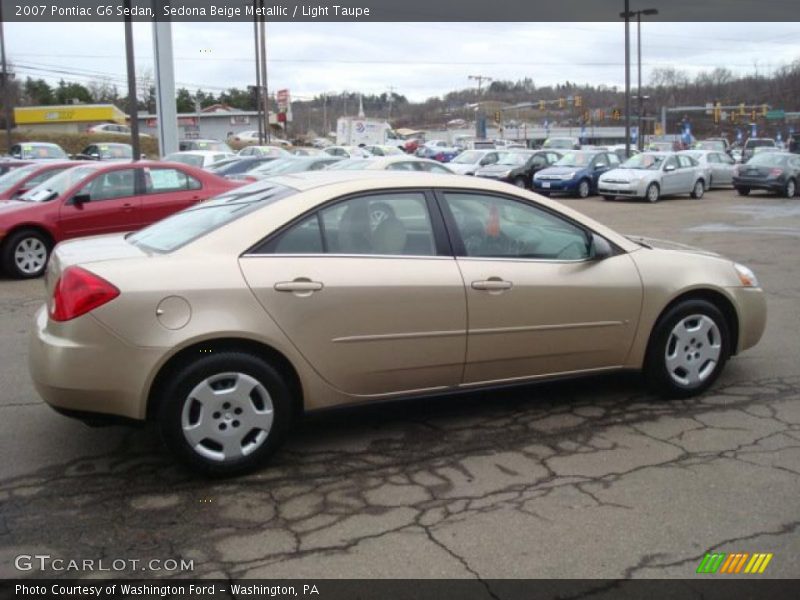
point(575, 173)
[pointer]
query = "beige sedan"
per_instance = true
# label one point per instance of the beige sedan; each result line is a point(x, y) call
point(226, 321)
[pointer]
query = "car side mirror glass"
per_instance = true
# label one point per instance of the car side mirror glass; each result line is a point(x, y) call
point(79, 199)
point(600, 248)
point(669, 168)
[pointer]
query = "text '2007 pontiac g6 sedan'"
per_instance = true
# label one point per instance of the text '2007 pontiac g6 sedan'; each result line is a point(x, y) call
point(225, 321)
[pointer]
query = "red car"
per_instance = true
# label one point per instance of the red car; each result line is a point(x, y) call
point(18, 181)
point(92, 199)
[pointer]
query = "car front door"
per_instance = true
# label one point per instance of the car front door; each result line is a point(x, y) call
point(368, 292)
point(107, 203)
point(537, 303)
point(598, 167)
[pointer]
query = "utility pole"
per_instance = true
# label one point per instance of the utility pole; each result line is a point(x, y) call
point(263, 28)
point(258, 75)
point(480, 79)
point(133, 110)
point(6, 86)
point(627, 15)
point(391, 101)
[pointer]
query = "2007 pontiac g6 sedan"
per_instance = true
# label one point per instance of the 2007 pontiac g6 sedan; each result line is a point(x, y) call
point(227, 320)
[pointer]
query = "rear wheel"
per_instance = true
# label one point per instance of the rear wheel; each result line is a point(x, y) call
point(225, 414)
point(583, 189)
point(688, 349)
point(25, 254)
point(698, 190)
point(743, 191)
point(790, 189)
point(520, 182)
point(653, 192)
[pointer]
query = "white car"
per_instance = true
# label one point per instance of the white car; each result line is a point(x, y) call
point(198, 158)
point(264, 151)
point(718, 166)
point(651, 175)
point(383, 150)
point(347, 152)
point(470, 161)
point(402, 162)
point(113, 129)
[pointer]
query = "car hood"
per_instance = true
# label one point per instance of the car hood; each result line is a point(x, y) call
point(560, 170)
point(8, 207)
point(462, 168)
point(659, 244)
point(497, 168)
point(627, 174)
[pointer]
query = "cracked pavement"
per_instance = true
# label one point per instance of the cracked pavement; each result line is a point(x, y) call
point(594, 478)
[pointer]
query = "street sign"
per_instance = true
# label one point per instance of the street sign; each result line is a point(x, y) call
point(775, 115)
point(283, 99)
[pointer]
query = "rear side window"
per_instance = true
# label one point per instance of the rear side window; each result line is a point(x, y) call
point(158, 181)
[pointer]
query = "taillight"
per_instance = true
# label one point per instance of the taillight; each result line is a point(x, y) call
point(775, 172)
point(440, 157)
point(77, 292)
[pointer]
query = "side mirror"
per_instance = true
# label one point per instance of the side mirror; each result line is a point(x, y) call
point(599, 248)
point(669, 168)
point(79, 199)
point(143, 156)
point(95, 155)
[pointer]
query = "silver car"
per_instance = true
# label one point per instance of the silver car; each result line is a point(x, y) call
point(470, 161)
point(651, 175)
point(718, 166)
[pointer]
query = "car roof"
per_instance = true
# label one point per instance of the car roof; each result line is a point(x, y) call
point(198, 152)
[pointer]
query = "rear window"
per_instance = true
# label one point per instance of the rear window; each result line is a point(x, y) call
point(194, 222)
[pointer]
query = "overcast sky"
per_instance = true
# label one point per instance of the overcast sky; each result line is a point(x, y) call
point(418, 60)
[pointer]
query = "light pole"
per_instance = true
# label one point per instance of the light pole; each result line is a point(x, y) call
point(627, 15)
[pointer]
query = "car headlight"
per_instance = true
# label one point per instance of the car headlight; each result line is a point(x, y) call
point(568, 176)
point(746, 275)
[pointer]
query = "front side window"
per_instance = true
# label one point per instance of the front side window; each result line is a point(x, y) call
point(498, 227)
point(110, 185)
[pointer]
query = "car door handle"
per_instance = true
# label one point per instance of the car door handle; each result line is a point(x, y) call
point(127, 207)
point(493, 284)
point(298, 285)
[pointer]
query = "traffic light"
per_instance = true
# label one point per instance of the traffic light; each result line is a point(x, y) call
point(541, 104)
point(497, 117)
point(561, 102)
point(578, 101)
point(616, 114)
point(717, 112)
point(753, 115)
point(587, 115)
point(601, 115)
point(741, 109)
point(764, 109)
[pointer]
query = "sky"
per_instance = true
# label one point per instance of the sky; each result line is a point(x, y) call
point(418, 60)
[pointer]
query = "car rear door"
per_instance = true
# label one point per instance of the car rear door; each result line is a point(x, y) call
point(369, 293)
point(537, 304)
point(168, 190)
point(113, 205)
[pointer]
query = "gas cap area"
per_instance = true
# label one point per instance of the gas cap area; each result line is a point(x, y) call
point(173, 312)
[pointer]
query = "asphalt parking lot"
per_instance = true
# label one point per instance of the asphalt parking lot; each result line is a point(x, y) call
point(594, 479)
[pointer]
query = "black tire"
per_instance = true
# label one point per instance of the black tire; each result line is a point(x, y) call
point(545, 194)
point(520, 183)
point(176, 394)
point(790, 190)
point(698, 190)
point(710, 183)
point(18, 241)
point(652, 193)
point(609, 198)
point(743, 191)
point(656, 370)
point(584, 189)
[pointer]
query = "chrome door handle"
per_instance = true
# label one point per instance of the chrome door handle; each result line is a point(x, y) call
point(492, 285)
point(298, 285)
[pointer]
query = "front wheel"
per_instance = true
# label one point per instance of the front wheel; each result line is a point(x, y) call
point(698, 190)
point(743, 191)
point(583, 189)
point(790, 189)
point(25, 254)
point(688, 349)
point(520, 182)
point(652, 194)
point(225, 413)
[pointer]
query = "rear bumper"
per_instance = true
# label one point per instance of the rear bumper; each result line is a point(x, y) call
point(82, 369)
point(774, 185)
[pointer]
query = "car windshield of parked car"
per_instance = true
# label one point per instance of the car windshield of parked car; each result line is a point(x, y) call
point(574, 159)
point(643, 161)
point(769, 159)
point(513, 159)
point(14, 176)
point(194, 160)
point(120, 151)
point(470, 157)
point(558, 143)
point(710, 145)
point(758, 143)
point(194, 222)
point(58, 184)
point(42, 151)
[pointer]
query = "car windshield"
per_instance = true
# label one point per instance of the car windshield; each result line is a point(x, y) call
point(58, 184)
point(194, 160)
point(120, 151)
point(643, 161)
point(710, 145)
point(558, 143)
point(211, 145)
point(758, 143)
point(14, 176)
point(470, 157)
point(350, 165)
point(769, 159)
point(574, 159)
point(42, 151)
point(194, 222)
point(513, 159)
